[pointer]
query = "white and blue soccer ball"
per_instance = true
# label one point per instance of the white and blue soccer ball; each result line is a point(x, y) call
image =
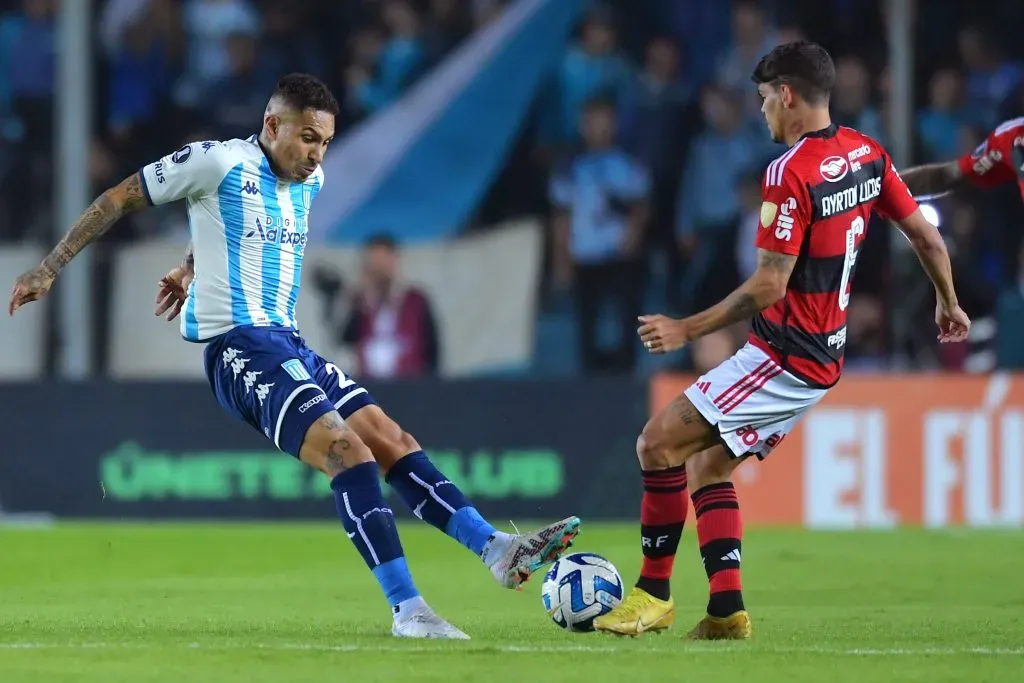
point(579, 588)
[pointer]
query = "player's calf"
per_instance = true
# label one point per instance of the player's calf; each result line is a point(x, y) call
point(719, 532)
point(333, 448)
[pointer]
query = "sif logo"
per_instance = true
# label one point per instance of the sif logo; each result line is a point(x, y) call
point(278, 232)
point(784, 226)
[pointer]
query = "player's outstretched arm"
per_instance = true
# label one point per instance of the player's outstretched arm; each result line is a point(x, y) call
point(762, 289)
point(931, 251)
point(933, 180)
point(102, 213)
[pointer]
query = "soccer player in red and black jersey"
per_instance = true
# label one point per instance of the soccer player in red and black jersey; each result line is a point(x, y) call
point(817, 199)
point(997, 161)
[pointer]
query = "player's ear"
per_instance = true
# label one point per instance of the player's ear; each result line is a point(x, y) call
point(273, 124)
point(786, 95)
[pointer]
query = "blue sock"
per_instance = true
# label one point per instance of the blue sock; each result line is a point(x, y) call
point(371, 527)
point(438, 502)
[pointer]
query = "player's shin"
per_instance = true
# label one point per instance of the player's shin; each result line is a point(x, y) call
point(371, 527)
point(663, 511)
point(436, 500)
point(720, 532)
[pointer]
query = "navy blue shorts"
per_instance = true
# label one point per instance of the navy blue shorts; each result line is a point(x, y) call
point(270, 378)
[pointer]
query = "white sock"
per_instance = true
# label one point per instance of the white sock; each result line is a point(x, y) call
point(403, 609)
point(496, 547)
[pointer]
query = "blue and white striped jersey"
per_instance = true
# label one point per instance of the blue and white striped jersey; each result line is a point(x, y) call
point(249, 231)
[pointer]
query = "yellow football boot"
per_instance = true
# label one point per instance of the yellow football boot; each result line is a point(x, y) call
point(639, 613)
point(736, 626)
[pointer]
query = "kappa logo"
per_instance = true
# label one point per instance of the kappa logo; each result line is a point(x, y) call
point(319, 398)
point(250, 188)
point(834, 169)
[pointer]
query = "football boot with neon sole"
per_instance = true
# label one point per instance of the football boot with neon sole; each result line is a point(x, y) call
point(736, 626)
point(639, 613)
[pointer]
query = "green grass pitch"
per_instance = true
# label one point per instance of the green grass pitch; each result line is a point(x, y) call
point(291, 603)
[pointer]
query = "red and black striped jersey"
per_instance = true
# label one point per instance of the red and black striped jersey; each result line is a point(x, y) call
point(999, 159)
point(817, 200)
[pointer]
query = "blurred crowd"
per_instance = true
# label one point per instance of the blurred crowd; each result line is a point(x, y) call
point(645, 150)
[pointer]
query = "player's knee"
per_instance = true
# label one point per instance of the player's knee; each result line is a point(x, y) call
point(712, 466)
point(652, 448)
point(331, 447)
point(384, 437)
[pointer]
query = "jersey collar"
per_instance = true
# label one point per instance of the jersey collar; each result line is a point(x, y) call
point(829, 132)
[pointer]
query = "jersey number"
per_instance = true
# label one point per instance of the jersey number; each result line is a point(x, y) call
point(856, 228)
point(343, 381)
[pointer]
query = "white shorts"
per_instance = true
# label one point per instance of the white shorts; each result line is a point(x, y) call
point(752, 401)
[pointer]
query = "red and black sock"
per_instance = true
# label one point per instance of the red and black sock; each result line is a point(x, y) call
point(720, 533)
point(662, 515)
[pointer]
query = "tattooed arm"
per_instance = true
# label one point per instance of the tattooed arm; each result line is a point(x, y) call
point(94, 222)
point(766, 286)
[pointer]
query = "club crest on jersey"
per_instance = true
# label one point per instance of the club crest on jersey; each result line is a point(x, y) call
point(307, 196)
point(768, 213)
point(182, 155)
point(834, 169)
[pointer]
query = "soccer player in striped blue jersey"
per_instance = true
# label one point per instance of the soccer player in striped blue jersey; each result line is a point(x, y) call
point(248, 206)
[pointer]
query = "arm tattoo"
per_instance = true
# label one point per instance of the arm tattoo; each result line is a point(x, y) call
point(96, 220)
point(773, 260)
point(752, 297)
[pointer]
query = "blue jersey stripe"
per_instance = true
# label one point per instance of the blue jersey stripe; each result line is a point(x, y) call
point(231, 214)
point(191, 322)
point(298, 193)
point(271, 280)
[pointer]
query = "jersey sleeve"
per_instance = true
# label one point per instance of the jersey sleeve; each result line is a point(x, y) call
point(195, 169)
point(989, 165)
point(895, 201)
point(785, 212)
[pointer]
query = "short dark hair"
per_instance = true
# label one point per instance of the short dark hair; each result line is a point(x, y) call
point(805, 66)
point(384, 240)
point(303, 91)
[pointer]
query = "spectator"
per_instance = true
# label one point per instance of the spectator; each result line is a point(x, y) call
point(656, 119)
point(236, 102)
point(449, 22)
point(752, 37)
point(279, 49)
point(208, 24)
point(30, 37)
point(991, 78)
point(600, 201)
point(726, 150)
point(750, 223)
point(389, 322)
point(592, 68)
point(141, 63)
point(1010, 321)
point(851, 99)
point(939, 124)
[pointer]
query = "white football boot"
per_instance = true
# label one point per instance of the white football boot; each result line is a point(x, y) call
point(422, 622)
point(524, 554)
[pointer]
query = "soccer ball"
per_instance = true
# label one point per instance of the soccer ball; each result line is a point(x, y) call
point(580, 587)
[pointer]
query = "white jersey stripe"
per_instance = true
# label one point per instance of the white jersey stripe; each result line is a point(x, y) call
point(778, 167)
